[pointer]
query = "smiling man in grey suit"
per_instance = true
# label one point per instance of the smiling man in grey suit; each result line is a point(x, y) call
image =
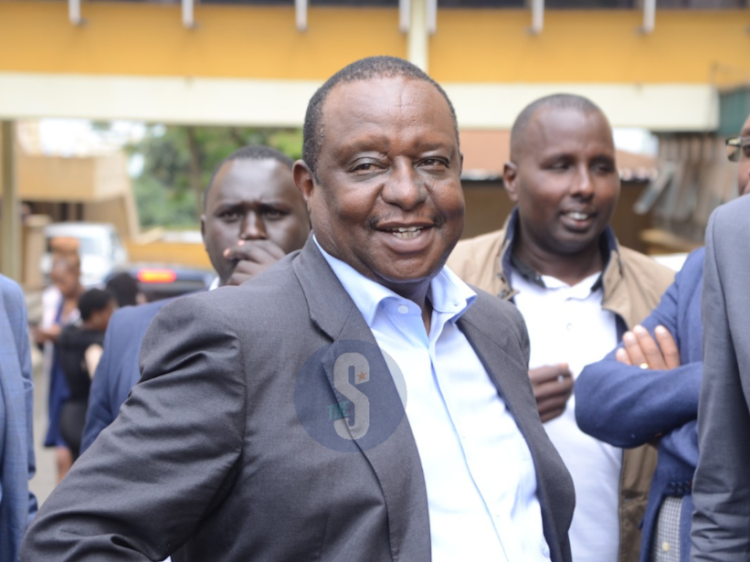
point(357, 402)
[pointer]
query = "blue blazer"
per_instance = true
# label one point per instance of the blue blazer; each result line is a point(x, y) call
point(627, 406)
point(118, 369)
point(17, 503)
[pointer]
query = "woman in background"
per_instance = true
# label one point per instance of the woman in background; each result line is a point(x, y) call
point(79, 347)
point(60, 308)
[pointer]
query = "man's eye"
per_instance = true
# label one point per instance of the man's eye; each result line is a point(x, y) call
point(560, 166)
point(604, 168)
point(229, 216)
point(435, 163)
point(272, 214)
point(365, 167)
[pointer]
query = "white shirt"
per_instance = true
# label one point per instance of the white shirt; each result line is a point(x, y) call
point(479, 474)
point(568, 325)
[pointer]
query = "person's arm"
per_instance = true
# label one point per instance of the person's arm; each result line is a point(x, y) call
point(24, 360)
point(721, 490)
point(627, 405)
point(682, 444)
point(92, 355)
point(144, 486)
point(100, 411)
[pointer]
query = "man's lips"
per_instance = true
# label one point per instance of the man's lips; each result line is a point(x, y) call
point(403, 231)
point(580, 215)
point(578, 220)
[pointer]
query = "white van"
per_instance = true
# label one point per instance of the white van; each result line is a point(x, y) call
point(100, 249)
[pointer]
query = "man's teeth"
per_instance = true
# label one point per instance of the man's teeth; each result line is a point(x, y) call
point(407, 232)
point(578, 216)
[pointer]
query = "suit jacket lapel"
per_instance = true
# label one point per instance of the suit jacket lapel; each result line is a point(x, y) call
point(491, 343)
point(395, 462)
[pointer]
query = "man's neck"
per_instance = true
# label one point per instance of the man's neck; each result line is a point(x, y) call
point(417, 293)
point(568, 268)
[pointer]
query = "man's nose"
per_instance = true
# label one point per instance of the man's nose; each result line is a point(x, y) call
point(583, 184)
point(404, 187)
point(253, 228)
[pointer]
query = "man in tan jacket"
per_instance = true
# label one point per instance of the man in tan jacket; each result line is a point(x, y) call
point(558, 259)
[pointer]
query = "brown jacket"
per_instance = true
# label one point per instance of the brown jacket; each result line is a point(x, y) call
point(633, 284)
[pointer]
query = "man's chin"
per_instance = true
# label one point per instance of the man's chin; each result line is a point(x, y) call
point(573, 243)
point(403, 279)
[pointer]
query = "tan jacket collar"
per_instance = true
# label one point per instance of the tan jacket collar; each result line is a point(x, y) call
point(611, 277)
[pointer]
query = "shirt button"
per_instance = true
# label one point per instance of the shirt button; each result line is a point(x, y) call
point(545, 551)
point(665, 546)
point(569, 326)
point(403, 309)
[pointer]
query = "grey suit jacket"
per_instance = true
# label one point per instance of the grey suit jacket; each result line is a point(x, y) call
point(208, 454)
point(721, 490)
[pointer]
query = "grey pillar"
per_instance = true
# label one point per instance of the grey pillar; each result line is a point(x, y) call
point(11, 220)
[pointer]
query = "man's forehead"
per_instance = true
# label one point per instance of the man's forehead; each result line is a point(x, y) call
point(375, 105)
point(552, 126)
point(381, 95)
point(250, 178)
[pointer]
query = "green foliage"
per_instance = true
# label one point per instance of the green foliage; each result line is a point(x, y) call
point(178, 162)
point(158, 206)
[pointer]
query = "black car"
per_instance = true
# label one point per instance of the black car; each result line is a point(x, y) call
point(158, 282)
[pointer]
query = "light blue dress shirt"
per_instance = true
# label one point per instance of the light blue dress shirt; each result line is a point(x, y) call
point(480, 477)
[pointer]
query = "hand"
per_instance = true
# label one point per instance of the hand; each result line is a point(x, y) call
point(253, 257)
point(553, 385)
point(42, 335)
point(640, 348)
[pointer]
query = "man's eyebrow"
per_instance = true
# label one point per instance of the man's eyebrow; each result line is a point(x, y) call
point(604, 157)
point(236, 205)
point(556, 154)
point(227, 206)
point(273, 204)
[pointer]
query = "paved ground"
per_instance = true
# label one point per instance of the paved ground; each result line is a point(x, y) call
point(46, 471)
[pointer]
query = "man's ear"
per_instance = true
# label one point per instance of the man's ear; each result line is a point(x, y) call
point(203, 229)
point(510, 180)
point(304, 179)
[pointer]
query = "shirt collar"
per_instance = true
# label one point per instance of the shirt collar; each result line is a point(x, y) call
point(448, 294)
point(510, 262)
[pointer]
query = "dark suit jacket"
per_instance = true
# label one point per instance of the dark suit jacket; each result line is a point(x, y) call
point(627, 406)
point(721, 492)
point(208, 454)
point(118, 370)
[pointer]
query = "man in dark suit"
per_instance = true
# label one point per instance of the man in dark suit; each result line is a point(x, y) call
point(254, 216)
point(17, 503)
point(721, 490)
point(647, 391)
point(355, 402)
